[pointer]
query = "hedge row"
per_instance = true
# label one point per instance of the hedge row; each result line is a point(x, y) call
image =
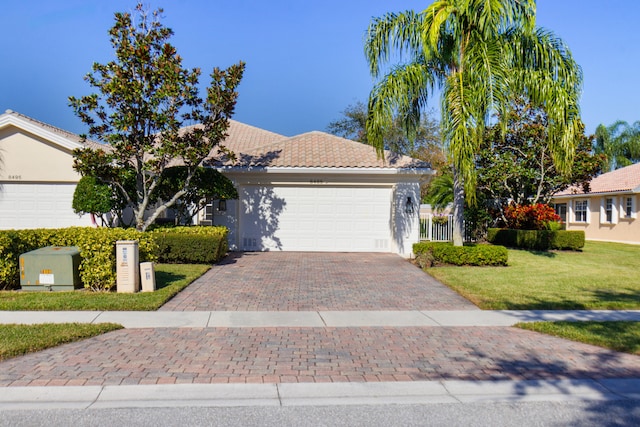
point(540, 240)
point(97, 249)
point(194, 245)
point(446, 253)
point(96, 245)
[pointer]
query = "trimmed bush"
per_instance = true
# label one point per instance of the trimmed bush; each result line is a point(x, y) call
point(539, 240)
point(194, 245)
point(446, 253)
point(568, 240)
point(97, 251)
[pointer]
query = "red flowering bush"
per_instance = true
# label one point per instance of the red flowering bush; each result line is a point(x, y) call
point(530, 217)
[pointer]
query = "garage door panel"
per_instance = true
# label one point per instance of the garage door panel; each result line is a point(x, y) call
point(25, 206)
point(315, 218)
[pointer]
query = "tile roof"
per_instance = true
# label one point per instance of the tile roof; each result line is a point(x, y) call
point(255, 147)
point(68, 135)
point(316, 150)
point(619, 180)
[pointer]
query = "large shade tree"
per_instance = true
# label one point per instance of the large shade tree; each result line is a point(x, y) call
point(516, 167)
point(478, 53)
point(144, 104)
point(619, 142)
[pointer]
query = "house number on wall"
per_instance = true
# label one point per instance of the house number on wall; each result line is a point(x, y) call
point(14, 177)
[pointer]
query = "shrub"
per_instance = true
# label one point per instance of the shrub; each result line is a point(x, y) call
point(540, 240)
point(197, 245)
point(477, 254)
point(96, 245)
point(530, 217)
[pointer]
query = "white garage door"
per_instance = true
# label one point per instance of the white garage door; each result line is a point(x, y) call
point(38, 206)
point(340, 219)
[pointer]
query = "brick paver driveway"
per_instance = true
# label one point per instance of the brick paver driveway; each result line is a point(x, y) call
point(298, 281)
point(276, 355)
point(308, 281)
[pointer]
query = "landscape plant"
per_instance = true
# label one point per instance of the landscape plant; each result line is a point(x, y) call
point(479, 53)
point(148, 113)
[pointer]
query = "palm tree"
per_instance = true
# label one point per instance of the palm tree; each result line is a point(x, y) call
point(620, 142)
point(479, 53)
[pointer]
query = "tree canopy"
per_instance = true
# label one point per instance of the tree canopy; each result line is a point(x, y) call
point(425, 143)
point(479, 53)
point(517, 166)
point(148, 110)
point(619, 142)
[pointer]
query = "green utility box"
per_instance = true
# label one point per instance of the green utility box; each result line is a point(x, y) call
point(54, 268)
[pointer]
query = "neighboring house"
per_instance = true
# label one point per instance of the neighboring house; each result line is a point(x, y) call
point(37, 179)
point(609, 211)
point(311, 192)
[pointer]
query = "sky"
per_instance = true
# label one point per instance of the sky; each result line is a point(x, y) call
point(305, 58)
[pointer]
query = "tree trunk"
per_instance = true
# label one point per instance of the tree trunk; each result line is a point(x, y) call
point(458, 208)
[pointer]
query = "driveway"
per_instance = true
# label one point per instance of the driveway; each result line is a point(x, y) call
point(304, 281)
point(350, 353)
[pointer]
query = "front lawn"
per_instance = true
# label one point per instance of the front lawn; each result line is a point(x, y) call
point(170, 279)
point(619, 336)
point(16, 340)
point(602, 276)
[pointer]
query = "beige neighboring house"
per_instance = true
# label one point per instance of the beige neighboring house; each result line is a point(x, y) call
point(310, 192)
point(37, 179)
point(609, 212)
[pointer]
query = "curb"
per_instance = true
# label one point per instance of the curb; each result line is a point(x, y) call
point(316, 394)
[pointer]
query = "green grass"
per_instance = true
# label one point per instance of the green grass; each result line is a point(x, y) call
point(602, 276)
point(170, 279)
point(16, 340)
point(619, 336)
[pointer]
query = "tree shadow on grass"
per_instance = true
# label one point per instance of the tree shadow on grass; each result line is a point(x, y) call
point(618, 298)
point(545, 254)
point(164, 279)
point(544, 304)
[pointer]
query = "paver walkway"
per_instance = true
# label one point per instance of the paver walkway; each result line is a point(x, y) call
point(299, 281)
point(281, 355)
point(293, 281)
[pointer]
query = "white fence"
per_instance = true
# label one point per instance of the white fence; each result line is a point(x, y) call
point(436, 228)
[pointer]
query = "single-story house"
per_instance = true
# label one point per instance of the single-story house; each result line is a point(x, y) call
point(609, 211)
point(311, 192)
point(37, 179)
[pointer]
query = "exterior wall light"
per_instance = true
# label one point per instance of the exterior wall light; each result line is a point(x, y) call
point(222, 205)
point(409, 206)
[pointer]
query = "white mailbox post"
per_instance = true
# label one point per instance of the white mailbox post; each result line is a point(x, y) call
point(127, 266)
point(148, 275)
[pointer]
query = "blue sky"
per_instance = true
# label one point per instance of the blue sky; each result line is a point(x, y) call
point(305, 60)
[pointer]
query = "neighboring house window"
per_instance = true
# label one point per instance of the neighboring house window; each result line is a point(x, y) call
point(207, 216)
point(580, 210)
point(629, 207)
point(561, 210)
point(608, 211)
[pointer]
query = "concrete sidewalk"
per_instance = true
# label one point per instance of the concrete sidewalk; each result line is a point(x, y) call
point(250, 319)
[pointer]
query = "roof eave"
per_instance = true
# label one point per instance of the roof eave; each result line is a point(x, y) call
point(28, 126)
point(330, 171)
point(596, 193)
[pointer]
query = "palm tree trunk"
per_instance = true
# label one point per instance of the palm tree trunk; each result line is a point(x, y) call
point(458, 208)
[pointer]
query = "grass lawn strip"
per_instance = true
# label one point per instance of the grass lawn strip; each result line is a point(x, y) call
point(618, 336)
point(170, 279)
point(16, 340)
point(601, 277)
